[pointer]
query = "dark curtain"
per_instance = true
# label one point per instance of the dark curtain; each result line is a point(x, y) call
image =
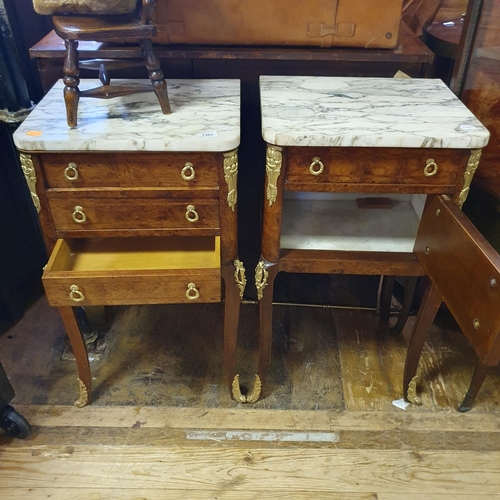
point(22, 253)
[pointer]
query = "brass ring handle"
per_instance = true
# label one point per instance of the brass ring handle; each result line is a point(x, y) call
point(71, 172)
point(191, 214)
point(316, 162)
point(79, 215)
point(75, 294)
point(187, 173)
point(192, 292)
point(430, 168)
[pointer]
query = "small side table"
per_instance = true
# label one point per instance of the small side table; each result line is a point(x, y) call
point(138, 207)
point(332, 143)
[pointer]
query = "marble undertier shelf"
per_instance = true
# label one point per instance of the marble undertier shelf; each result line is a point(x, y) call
point(338, 224)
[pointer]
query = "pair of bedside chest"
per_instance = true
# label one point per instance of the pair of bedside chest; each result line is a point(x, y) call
point(136, 208)
point(140, 208)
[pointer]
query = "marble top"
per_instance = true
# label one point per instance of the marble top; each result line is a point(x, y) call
point(366, 112)
point(205, 117)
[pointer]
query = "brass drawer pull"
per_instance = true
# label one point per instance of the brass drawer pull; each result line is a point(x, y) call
point(430, 168)
point(71, 172)
point(75, 294)
point(316, 162)
point(191, 214)
point(187, 173)
point(79, 215)
point(192, 292)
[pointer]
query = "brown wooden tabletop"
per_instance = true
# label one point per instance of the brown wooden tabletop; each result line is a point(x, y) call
point(409, 49)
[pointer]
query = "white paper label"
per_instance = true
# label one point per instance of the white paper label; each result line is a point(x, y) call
point(208, 133)
point(400, 403)
point(467, 127)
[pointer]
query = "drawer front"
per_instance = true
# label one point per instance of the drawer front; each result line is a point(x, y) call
point(177, 170)
point(113, 271)
point(130, 289)
point(74, 213)
point(433, 167)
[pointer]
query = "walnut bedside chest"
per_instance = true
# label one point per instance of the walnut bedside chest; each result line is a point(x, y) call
point(137, 207)
point(332, 143)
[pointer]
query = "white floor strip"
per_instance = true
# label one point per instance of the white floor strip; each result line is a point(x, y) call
point(295, 437)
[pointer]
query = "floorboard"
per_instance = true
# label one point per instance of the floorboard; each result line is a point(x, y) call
point(162, 424)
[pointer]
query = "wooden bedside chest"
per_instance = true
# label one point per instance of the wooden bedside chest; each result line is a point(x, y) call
point(138, 207)
point(331, 143)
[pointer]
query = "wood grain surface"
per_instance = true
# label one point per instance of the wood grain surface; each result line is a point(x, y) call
point(160, 379)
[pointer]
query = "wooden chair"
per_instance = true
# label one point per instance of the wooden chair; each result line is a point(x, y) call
point(95, 25)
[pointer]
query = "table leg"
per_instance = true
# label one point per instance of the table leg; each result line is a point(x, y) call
point(410, 285)
point(480, 372)
point(425, 318)
point(233, 275)
point(265, 288)
point(80, 352)
point(385, 303)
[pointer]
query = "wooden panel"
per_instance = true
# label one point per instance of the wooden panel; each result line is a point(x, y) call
point(143, 210)
point(338, 262)
point(161, 494)
point(131, 170)
point(409, 50)
point(118, 416)
point(131, 452)
point(133, 271)
point(466, 271)
point(134, 288)
point(222, 467)
point(135, 254)
point(375, 166)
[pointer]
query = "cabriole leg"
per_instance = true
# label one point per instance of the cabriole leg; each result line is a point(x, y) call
point(480, 372)
point(425, 318)
point(81, 357)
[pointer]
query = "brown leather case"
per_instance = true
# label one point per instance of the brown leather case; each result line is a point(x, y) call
point(321, 23)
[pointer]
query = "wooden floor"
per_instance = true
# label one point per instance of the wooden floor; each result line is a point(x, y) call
point(162, 424)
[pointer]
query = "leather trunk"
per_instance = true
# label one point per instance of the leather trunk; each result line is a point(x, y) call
point(321, 23)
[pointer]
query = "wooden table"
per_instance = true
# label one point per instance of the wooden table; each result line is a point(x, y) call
point(333, 142)
point(411, 55)
point(137, 207)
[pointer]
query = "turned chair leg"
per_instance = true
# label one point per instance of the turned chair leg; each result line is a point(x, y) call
point(480, 372)
point(156, 75)
point(71, 81)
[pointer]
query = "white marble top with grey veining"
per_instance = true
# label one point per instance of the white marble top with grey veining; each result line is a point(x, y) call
point(205, 117)
point(366, 112)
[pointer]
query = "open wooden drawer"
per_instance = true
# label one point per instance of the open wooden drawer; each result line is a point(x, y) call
point(125, 271)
